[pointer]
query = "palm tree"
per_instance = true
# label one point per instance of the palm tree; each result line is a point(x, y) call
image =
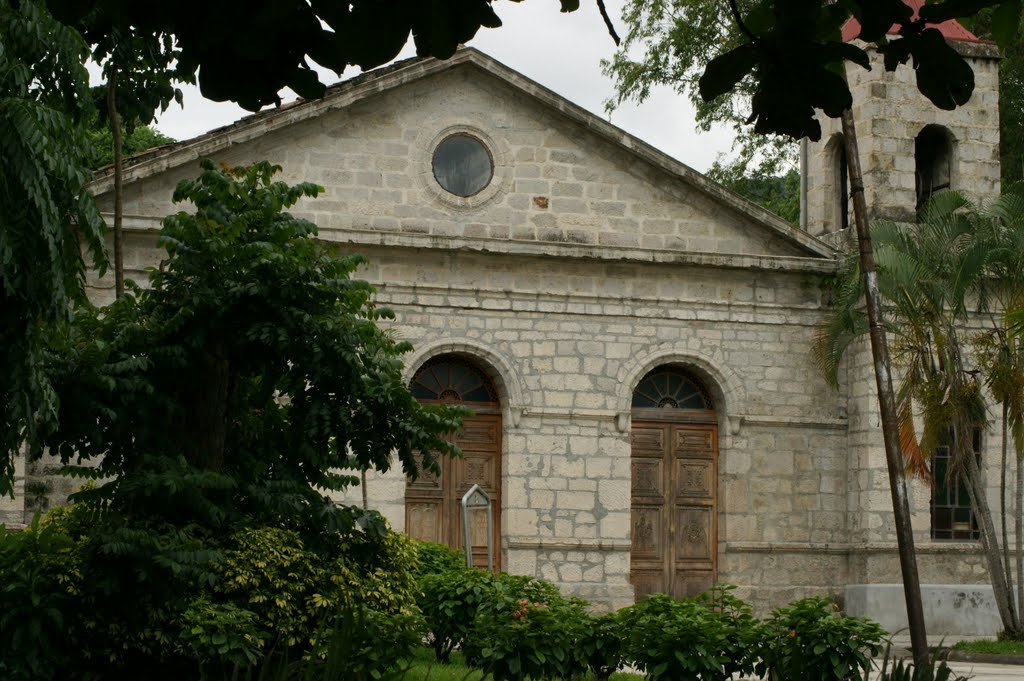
point(1000, 354)
point(931, 275)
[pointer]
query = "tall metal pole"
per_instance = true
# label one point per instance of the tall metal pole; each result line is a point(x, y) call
point(886, 401)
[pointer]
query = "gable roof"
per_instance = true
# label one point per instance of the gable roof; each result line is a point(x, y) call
point(950, 29)
point(381, 80)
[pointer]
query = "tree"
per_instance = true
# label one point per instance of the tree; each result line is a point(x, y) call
point(930, 273)
point(46, 216)
point(668, 42)
point(675, 39)
point(269, 46)
point(140, 72)
point(1011, 94)
point(1000, 354)
point(247, 381)
point(137, 141)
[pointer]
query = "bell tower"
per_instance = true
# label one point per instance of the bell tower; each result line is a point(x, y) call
point(909, 148)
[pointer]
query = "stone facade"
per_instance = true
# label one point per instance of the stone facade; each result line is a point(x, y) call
point(890, 113)
point(588, 260)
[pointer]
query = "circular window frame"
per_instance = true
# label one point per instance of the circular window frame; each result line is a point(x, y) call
point(482, 146)
point(498, 169)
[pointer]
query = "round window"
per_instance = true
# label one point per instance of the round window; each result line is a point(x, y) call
point(462, 165)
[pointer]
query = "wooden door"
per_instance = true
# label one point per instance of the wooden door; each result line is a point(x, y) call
point(433, 511)
point(674, 508)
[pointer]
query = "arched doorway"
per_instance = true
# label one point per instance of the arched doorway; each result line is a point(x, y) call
point(674, 485)
point(432, 502)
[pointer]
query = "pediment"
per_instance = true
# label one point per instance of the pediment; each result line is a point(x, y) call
point(564, 182)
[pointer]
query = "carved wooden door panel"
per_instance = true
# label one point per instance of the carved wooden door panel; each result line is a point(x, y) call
point(433, 511)
point(674, 508)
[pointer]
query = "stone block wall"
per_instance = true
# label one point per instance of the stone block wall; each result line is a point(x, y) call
point(889, 113)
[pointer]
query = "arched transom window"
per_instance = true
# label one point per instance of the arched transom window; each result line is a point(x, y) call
point(670, 388)
point(452, 379)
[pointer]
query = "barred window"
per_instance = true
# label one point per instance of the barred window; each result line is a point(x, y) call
point(952, 515)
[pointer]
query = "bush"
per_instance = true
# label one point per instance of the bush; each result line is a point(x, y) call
point(361, 644)
point(379, 572)
point(221, 632)
point(601, 646)
point(436, 558)
point(38, 581)
point(516, 638)
point(98, 594)
point(449, 603)
point(811, 639)
point(710, 637)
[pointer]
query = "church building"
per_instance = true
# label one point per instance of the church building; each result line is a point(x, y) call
point(635, 339)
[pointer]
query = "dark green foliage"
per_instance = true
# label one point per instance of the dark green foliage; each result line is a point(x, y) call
point(668, 43)
point(709, 637)
point(86, 597)
point(449, 602)
point(792, 49)
point(366, 645)
point(137, 141)
point(269, 48)
point(514, 639)
point(778, 193)
point(247, 379)
point(36, 594)
point(601, 646)
point(1011, 88)
point(811, 639)
point(47, 219)
point(436, 558)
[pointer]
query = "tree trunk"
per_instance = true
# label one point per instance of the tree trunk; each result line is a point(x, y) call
point(886, 402)
point(1018, 513)
point(1004, 464)
point(208, 408)
point(989, 539)
point(115, 132)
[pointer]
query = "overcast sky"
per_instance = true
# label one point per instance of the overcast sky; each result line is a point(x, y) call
point(561, 52)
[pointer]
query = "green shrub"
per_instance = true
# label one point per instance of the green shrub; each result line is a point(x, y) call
point(708, 638)
point(269, 572)
point(221, 632)
point(361, 644)
point(811, 639)
point(378, 571)
point(514, 639)
point(449, 603)
point(601, 646)
point(436, 558)
point(38, 580)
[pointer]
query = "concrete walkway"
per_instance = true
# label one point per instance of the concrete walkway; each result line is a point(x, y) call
point(989, 672)
point(980, 671)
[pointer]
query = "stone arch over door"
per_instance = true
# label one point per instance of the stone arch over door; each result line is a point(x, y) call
point(432, 502)
point(674, 489)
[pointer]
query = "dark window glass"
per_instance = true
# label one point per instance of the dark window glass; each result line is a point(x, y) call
point(670, 388)
point(952, 516)
point(452, 379)
point(462, 165)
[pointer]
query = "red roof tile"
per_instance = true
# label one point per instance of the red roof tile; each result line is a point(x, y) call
point(951, 30)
